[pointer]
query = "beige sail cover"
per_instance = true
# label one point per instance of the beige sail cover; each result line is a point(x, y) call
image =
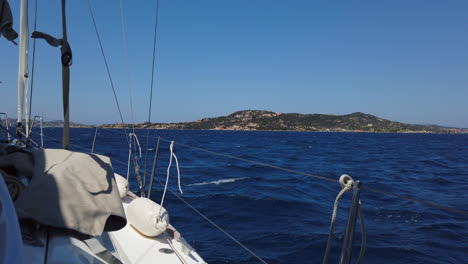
point(72, 190)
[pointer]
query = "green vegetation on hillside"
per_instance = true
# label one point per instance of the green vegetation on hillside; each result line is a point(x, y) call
point(267, 120)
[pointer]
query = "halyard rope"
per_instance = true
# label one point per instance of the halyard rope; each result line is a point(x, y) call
point(132, 138)
point(346, 183)
point(172, 155)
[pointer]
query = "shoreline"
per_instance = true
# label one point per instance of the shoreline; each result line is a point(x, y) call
point(303, 131)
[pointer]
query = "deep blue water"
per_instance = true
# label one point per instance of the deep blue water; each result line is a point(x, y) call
point(285, 217)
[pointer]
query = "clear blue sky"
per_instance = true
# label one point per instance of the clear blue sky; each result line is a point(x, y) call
point(401, 60)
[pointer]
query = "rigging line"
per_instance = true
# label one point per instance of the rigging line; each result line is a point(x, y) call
point(151, 88)
point(430, 204)
point(32, 69)
point(129, 78)
point(219, 228)
point(130, 93)
point(194, 209)
point(57, 140)
point(371, 189)
point(107, 68)
point(209, 220)
point(256, 162)
point(115, 131)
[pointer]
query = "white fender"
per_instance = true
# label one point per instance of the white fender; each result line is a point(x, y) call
point(142, 214)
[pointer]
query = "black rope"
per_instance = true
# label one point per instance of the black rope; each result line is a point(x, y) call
point(107, 68)
point(151, 91)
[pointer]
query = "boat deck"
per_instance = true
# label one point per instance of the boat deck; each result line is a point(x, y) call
point(127, 245)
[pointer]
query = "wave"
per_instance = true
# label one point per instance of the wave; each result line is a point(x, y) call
point(218, 182)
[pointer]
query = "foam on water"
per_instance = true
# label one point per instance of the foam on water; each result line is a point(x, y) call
point(284, 217)
point(218, 182)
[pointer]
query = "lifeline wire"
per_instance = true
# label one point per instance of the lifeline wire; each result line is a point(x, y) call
point(430, 204)
point(210, 221)
point(191, 207)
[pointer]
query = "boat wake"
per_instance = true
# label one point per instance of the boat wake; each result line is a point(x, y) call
point(218, 182)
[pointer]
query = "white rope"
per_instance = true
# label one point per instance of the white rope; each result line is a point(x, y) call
point(187, 204)
point(132, 137)
point(346, 183)
point(172, 155)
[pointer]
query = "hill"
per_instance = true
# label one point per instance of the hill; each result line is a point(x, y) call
point(267, 120)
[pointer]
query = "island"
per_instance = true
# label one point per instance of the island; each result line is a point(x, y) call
point(252, 120)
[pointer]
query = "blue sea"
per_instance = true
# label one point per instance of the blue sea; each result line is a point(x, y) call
point(285, 217)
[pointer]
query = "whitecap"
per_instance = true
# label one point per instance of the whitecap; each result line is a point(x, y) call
point(218, 182)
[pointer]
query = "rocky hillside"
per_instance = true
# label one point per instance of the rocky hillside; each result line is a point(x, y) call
point(267, 120)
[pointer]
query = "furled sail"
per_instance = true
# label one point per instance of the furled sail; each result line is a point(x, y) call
point(23, 61)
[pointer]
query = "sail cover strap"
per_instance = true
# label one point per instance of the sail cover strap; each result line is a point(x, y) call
point(55, 42)
point(6, 22)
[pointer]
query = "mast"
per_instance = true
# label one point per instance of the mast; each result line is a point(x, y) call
point(23, 64)
point(66, 62)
